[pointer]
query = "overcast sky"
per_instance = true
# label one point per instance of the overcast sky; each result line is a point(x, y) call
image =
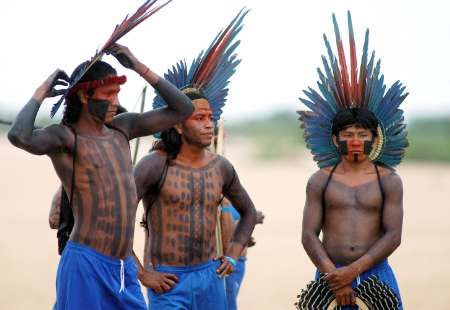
point(280, 49)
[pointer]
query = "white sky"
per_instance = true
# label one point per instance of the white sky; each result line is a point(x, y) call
point(280, 49)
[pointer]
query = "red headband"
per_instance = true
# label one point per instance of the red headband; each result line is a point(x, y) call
point(97, 83)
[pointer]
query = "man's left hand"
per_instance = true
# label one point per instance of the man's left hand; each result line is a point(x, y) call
point(226, 268)
point(124, 56)
point(340, 277)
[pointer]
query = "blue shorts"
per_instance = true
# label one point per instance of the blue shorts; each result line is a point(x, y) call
point(199, 288)
point(384, 273)
point(233, 283)
point(87, 279)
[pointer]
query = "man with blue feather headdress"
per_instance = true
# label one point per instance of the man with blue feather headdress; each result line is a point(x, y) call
point(356, 133)
point(182, 185)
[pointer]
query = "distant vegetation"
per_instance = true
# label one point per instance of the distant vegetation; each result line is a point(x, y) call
point(279, 135)
point(429, 139)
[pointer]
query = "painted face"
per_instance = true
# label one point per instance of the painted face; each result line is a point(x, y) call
point(198, 129)
point(104, 102)
point(354, 143)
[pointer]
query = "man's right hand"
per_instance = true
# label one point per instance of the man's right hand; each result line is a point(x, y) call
point(345, 296)
point(48, 88)
point(158, 281)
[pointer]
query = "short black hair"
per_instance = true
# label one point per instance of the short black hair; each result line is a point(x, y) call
point(98, 71)
point(355, 116)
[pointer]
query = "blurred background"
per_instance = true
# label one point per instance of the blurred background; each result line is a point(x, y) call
point(281, 48)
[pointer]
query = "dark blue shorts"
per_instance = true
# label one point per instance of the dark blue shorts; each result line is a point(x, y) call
point(199, 288)
point(87, 279)
point(384, 273)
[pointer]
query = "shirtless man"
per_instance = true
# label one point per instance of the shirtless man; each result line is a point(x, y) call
point(182, 272)
point(91, 155)
point(356, 133)
point(357, 205)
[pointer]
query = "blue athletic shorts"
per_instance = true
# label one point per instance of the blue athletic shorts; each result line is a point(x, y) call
point(384, 273)
point(199, 288)
point(87, 279)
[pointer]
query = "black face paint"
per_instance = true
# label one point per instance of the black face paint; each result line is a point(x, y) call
point(368, 147)
point(343, 147)
point(355, 157)
point(98, 108)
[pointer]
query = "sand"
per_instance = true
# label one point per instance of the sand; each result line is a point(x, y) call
point(277, 266)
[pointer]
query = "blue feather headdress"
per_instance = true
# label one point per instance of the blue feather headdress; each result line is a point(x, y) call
point(339, 90)
point(146, 10)
point(210, 72)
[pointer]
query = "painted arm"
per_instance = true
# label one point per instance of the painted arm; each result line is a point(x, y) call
point(312, 225)
point(179, 106)
point(55, 209)
point(392, 226)
point(39, 141)
point(241, 201)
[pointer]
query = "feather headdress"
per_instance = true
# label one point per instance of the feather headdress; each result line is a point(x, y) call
point(342, 88)
point(146, 10)
point(210, 72)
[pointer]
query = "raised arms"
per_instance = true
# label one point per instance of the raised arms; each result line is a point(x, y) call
point(39, 141)
point(239, 198)
point(179, 106)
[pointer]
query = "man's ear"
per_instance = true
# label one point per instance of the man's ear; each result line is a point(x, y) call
point(335, 141)
point(83, 96)
point(178, 128)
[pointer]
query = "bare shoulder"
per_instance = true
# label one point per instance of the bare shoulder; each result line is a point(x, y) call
point(390, 179)
point(318, 179)
point(149, 170)
point(221, 160)
point(62, 133)
point(60, 130)
point(152, 160)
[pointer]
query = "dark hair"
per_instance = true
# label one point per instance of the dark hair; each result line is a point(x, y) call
point(355, 116)
point(97, 71)
point(170, 142)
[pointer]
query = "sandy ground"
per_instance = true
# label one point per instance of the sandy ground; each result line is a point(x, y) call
point(277, 267)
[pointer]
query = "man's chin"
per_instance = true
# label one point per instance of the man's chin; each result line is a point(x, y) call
point(206, 144)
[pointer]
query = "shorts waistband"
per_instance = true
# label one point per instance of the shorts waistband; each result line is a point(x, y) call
point(189, 268)
point(81, 248)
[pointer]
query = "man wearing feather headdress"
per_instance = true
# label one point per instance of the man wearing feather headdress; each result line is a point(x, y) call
point(182, 184)
point(91, 155)
point(357, 135)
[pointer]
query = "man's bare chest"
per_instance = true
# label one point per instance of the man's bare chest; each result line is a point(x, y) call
point(365, 197)
point(190, 187)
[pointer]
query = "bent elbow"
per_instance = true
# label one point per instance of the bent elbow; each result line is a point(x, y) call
point(14, 137)
point(53, 223)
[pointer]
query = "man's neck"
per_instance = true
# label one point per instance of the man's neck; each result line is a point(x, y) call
point(351, 167)
point(192, 155)
point(90, 125)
